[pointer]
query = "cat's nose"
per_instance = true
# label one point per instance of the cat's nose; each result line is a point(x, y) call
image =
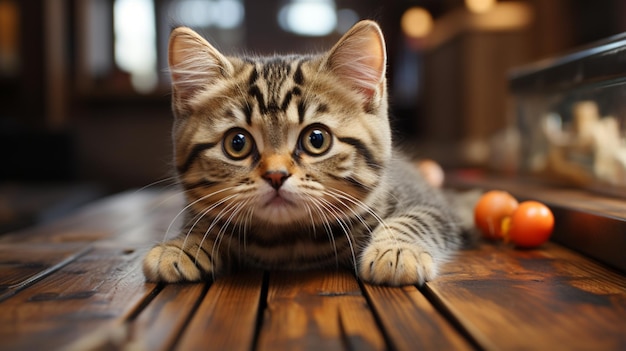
point(276, 178)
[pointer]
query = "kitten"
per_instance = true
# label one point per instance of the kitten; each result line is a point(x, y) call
point(287, 163)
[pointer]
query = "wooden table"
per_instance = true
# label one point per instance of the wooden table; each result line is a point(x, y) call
point(76, 284)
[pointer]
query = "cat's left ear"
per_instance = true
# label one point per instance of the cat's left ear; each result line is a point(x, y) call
point(194, 65)
point(360, 59)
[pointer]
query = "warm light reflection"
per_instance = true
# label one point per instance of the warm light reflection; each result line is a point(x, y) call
point(9, 37)
point(479, 6)
point(506, 15)
point(135, 42)
point(308, 17)
point(416, 22)
point(223, 14)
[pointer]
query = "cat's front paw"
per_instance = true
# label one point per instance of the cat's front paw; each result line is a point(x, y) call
point(391, 263)
point(170, 264)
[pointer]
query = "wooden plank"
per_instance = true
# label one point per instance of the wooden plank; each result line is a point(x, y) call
point(158, 326)
point(318, 310)
point(500, 298)
point(227, 317)
point(112, 217)
point(549, 298)
point(23, 264)
point(411, 322)
point(154, 324)
point(97, 288)
point(123, 227)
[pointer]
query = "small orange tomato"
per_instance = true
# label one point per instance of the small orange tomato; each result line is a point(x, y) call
point(530, 225)
point(491, 209)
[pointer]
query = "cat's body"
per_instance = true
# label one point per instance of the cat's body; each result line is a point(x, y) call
point(287, 163)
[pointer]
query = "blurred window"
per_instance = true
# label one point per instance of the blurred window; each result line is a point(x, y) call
point(124, 44)
point(135, 42)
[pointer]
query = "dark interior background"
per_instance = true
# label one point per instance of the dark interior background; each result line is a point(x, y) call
point(75, 125)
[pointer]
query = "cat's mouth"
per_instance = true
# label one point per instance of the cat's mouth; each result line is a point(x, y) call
point(279, 207)
point(278, 201)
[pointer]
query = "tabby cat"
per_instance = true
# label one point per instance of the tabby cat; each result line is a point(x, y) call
point(287, 163)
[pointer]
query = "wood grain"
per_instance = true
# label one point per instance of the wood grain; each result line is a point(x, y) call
point(99, 287)
point(162, 321)
point(120, 217)
point(320, 310)
point(411, 322)
point(549, 298)
point(227, 316)
point(24, 264)
point(76, 284)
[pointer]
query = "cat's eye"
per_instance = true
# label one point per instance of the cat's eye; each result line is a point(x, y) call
point(316, 140)
point(238, 144)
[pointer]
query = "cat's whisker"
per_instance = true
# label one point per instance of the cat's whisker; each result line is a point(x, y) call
point(320, 207)
point(163, 199)
point(345, 228)
point(234, 209)
point(364, 207)
point(389, 232)
point(217, 218)
point(200, 216)
point(235, 212)
point(211, 226)
point(248, 221)
point(188, 206)
point(349, 237)
point(310, 213)
point(172, 179)
point(236, 116)
point(240, 224)
point(355, 214)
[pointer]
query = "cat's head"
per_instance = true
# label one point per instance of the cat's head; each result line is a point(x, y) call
point(282, 139)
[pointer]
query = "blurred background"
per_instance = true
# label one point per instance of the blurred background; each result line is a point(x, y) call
point(84, 89)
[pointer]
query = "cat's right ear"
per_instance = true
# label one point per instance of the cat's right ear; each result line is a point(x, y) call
point(194, 65)
point(359, 58)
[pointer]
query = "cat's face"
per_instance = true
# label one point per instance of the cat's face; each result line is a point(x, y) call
point(281, 140)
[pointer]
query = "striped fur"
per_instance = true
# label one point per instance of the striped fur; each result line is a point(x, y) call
point(287, 163)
